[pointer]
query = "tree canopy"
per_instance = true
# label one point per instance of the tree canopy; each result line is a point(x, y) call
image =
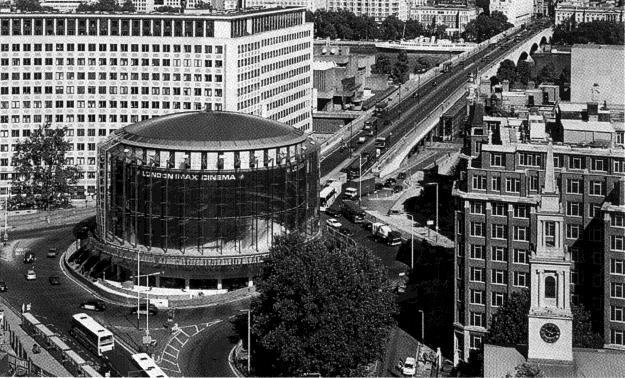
point(321, 309)
point(382, 65)
point(28, 5)
point(42, 180)
point(106, 6)
point(509, 324)
point(401, 71)
point(507, 71)
point(597, 31)
point(486, 26)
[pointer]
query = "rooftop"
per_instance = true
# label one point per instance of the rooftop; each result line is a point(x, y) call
point(591, 126)
point(210, 131)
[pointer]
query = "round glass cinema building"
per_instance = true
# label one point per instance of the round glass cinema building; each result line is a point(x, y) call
point(199, 197)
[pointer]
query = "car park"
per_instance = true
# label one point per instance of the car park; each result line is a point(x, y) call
point(3, 286)
point(144, 310)
point(30, 275)
point(52, 252)
point(94, 305)
point(54, 280)
point(332, 222)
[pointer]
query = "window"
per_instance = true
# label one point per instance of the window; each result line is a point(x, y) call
point(477, 229)
point(495, 183)
point(477, 319)
point(499, 231)
point(616, 314)
point(616, 266)
point(477, 252)
point(499, 209)
point(617, 290)
point(512, 185)
point(533, 183)
point(476, 341)
point(574, 186)
point(617, 337)
point(575, 162)
point(496, 160)
point(477, 207)
point(499, 277)
point(598, 164)
point(520, 279)
point(520, 233)
point(521, 211)
point(616, 243)
point(617, 220)
point(594, 209)
point(499, 254)
point(528, 159)
point(573, 231)
point(477, 274)
point(574, 209)
point(477, 297)
point(619, 166)
point(496, 299)
point(550, 287)
point(550, 233)
point(520, 256)
point(597, 188)
point(479, 182)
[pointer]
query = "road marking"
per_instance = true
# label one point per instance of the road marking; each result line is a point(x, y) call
point(176, 356)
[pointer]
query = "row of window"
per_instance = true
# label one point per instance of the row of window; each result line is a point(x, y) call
point(112, 47)
point(478, 297)
point(519, 256)
point(576, 186)
point(500, 209)
point(113, 76)
point(92, 90)
point(513, 185)
point(143, 62)
point(527, 159)
point(499, 276)
point(499, 231)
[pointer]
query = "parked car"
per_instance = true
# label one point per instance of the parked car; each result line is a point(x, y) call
point(401, 176)
point(143, 309)
point(29, 258)
point(390, 181)
point(332, 222)
point(54, 280)
point(3, 286)
point(346, 231)
point(367, 225)
point(362, 139)
point(378, 186)
point(94, 305)
point(31, 275)
point(398, 188)
point(410, 367)
point(52, 252)
point(334, 213)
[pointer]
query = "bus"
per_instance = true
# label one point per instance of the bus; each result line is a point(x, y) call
point(327, 196)
point(91, 334)
point(146, 366)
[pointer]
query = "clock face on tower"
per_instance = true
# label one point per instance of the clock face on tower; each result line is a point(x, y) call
point(550, 332)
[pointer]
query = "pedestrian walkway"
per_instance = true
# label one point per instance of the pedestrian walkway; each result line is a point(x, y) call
point(19, 343)
point(403, 224)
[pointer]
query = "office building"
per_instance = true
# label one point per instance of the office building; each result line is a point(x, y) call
point(498, 199)
point(95, 73)
point(377, 9)
point(455, 18)
point(517, 11)
point(587, 12)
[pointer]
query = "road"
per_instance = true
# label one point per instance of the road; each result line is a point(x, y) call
point(207, 354)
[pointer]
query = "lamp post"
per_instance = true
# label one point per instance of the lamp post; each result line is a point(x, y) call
point(147, 296)
point(249, 340)
point(411, 241)
point(422, 325)
point(436, 226)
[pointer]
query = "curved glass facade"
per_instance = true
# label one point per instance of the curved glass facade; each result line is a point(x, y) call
point(237, 211)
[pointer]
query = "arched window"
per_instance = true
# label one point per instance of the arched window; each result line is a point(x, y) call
point(550, 287)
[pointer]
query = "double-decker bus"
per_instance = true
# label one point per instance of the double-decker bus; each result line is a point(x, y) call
point(91, 334)
point(146, 367)
point(327, 196)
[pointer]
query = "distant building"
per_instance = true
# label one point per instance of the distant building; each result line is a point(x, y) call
point(517, 11)
point(62, 5)
point(455, 17)
point(311, 5)
point(605, 81)
point(500, 194)
point(378, 9)
point(587, 12)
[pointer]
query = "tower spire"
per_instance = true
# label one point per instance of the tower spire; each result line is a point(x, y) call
point(550, 177)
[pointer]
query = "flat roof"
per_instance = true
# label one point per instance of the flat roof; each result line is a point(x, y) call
point(590, 126)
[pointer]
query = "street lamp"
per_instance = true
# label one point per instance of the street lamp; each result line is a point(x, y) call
point(411, 241)
point(147, 296)
point(422, 325)
point(435, 183)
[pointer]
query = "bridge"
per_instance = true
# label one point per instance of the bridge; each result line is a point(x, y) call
point(424, 129)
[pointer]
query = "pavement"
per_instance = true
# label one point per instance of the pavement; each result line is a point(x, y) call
point(23, 342)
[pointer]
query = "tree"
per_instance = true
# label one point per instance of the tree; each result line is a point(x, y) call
point(523, 72)
point(392, 28)
point(484, 4)
point(507, 71)
point(28, 5)
point(42, 180)
point(548, 74)
point(527, 369)
point(583, 335)
point(421, 65)
point(128, 6)
point(100, 6)
point(508, 325)
point(401, 70)
point(208, 5)
point(486, 26)
point(382, 65)
point(167, 9)
point(320, 309)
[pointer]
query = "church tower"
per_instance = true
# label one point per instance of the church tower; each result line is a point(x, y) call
point(550, 334)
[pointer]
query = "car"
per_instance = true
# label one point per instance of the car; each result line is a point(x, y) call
point(401, 176)
point(346, 231)
point(390, 182)
point(54, 280)
point(95, 305)
point(434, 84)
point(362, 139)
point(29, 258)
point(332, 222)
point(143, 309)
point(3, 286)
point(410, 367)
point(367, 225)
point(334, 213)
point(397, 188)
point(31, 275)
point(52, 252)
point(378, 186)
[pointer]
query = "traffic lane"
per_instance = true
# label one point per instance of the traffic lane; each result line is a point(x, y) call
point(206, 354)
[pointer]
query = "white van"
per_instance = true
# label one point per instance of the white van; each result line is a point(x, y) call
point(350, 193)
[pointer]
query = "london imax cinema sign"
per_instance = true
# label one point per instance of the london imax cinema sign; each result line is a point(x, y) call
point(190, 176)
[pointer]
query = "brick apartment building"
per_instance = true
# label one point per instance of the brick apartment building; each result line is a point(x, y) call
point(497, 199)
